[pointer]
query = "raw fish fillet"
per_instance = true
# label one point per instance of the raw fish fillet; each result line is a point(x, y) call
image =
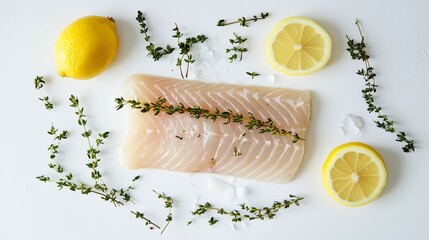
point(181, 143)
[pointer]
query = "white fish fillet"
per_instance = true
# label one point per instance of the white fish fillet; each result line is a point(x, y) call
point(205, 146)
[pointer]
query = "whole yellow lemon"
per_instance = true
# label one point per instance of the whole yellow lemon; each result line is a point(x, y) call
point(86, 47)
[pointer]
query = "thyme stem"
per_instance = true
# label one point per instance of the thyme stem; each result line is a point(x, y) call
point(180, 66)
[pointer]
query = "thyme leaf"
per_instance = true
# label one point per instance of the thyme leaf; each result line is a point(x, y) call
point(357, 51)
point(253, 74)
point(237, 152)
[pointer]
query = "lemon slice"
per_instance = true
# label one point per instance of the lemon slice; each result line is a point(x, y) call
point(354, 174)
point(298, 46)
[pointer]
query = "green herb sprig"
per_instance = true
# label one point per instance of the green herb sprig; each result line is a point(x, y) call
point(246, 212)
point(251, 123)
point(237, 48)
point(155, 52)
point(357, 51)
point(53, 151)
point(38, 84)
point(243, 21)
point(68, 181)
point(185, 49)
point(116, 196)
point(168, 203)
point(110, 194)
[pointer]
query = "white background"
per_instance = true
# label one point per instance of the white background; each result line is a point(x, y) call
point(398, 38)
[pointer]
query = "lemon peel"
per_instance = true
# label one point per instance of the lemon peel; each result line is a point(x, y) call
point(86, 47)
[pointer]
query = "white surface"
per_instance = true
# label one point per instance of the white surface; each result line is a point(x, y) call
point(397, 35)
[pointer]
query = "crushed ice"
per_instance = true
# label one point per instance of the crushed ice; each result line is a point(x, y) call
point(351, 126)
point(224, 189)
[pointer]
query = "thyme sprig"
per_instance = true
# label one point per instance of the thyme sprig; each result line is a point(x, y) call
point(168, 203)
point(53, 151)
point(357, 51)
point(250, 122)
point(243, 21)
point(246, 212)
point(116, 196)
point(92, 151)
point(155, 52)
point(38, 84)
point(69, 181)
point(185, 49)
point(237, 48)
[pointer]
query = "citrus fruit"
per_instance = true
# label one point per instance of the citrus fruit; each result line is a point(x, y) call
point(298, 46)
point(86, 47)
point(354, 174)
